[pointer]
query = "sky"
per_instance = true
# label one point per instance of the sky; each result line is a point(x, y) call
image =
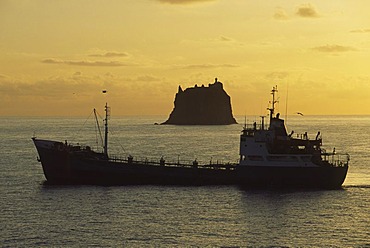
point(56, 57)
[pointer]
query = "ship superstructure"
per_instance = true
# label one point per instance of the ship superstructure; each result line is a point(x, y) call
point(271, 145)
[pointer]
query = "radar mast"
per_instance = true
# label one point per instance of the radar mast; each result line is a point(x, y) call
point(272, 109)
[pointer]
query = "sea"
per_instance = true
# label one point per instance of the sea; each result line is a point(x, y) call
point(35, 214)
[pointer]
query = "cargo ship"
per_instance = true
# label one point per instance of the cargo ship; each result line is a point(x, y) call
point(269, 157)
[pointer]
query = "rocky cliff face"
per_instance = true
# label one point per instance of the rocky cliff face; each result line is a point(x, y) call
point(202, 106)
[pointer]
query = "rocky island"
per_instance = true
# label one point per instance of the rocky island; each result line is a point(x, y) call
point(200, 105)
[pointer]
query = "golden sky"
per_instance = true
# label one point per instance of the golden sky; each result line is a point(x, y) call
point(57, 56)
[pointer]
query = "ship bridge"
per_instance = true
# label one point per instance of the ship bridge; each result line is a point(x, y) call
point(272, 144)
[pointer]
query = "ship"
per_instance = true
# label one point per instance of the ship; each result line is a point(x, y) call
point(269, 158)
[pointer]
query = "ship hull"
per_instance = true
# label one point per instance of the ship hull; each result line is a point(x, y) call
point(61, 166)
point(298, 177)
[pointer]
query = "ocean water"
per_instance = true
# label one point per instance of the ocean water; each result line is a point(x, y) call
point(34, 214)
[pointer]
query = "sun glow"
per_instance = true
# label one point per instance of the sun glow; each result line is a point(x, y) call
point(57, 56)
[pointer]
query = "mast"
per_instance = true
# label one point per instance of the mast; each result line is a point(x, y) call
point(272, 109)
point(106, 130)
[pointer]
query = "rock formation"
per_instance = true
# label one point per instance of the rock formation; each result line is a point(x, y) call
point(202, 105)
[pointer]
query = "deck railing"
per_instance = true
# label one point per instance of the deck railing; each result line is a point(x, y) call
point(180, 163)
point(336, 159)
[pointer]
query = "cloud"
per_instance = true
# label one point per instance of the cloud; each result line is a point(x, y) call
point(109, 55)
point(219, 42)
point(50, 87)
point(367, 30)
point(334, 48)
point(281, 15)
point(84, 63)
point(223, 38)
point(147, 78)
point(76, 93)
point(184, 1)
point(277, 75)
point(61, 87)
point(208, 66)
point(307, 11)
point(2, 76)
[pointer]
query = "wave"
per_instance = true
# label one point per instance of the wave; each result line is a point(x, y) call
point(356, 186)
